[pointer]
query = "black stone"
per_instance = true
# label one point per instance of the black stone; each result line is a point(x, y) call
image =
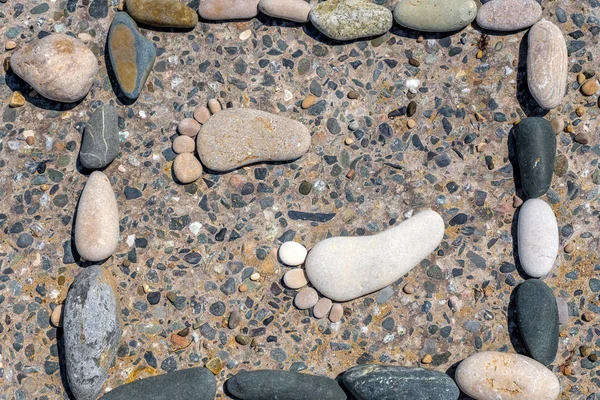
point(315, 217)
point(537, 316)
point(100, 143)
point(536, 151)
point(186, 384)
point(379, 382)
point(98, 9)
point(283, 385)
point(153, 297)
point(25, 240)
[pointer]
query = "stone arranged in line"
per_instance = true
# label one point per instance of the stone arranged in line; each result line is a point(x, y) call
point(216, 10)
point(97, 220)
point(271, 384)
point(351, 19)
point(344, 268)
point(291, 10)
point(547, 64)
point(295, 278)
point(292, 253)
point(236, 137)
point(131, 55)
point(187, 168)
point(322, 308)
point(435, 15)
point(92, 331)
point(185, 384)
point(503, 376)
point(537, 238)
point(184, 144)
point(162, 13)
point(100, 144)
point(536, 152)
point(306, 298)
point(537, 316)
point(58, 66)
point(509, 15)
point(379, 382)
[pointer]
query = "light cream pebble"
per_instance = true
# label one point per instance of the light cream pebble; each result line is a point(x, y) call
point(184, 144)
point(336, 313)
point(188, 127)
point(187, 168)
point(295, 279)
point(228, 9)
point(291, 10)
point(255, 276)
point(292, 253)
point(202, 114)
point(56, 316)
point(322, 307)
point(246, 34)
point(306, 298)
point(214, 106)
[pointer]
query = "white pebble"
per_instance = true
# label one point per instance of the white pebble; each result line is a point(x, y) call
point(246, 34)
point(292, 253)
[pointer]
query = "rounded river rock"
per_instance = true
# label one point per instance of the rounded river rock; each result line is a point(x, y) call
point(537, 238)
point(435, 15)
point(344, 268)
point(100, 144)
point(509, 15)
point(162, 13)
point(236, 137)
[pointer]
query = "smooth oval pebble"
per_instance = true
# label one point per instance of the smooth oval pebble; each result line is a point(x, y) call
point(295, 279)
point(292, 253)
point(202, 114)
point(306, 298)
point(184, 144)
point(493, 375)
point(509, 15)
point(162, 13)
point(100, 143)
point(435, 15)
point(590, 87)
point(537, 316)
point(236, 137)
point(351, 19)
point(322, 307)
point(291, 10)
point(187, 168)
point(547, 64)
point(536, 154)
point(228, 9)
point(58, 66)
point(97, 219)
point(214, 106)
point(344, 268)
point(185, 384)
point(92, 331)
point(56, 316)
point(537, 234)
point(284, 385)
point(189, 127)
point(336, 313)
point(380, 382)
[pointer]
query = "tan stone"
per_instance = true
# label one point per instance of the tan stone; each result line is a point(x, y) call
point(336, 313)
point(184, 144)
point(56, 316)
point(214, 106)
point(295, 278)
point(162, 13)
point(322, 308)
point(187, 168)
point(306, 298)
point(500, 15)
point(202, 114)
point(16, 100)
point(292, 10)
point(188, 127)
point(228, 9)
point(590, 87)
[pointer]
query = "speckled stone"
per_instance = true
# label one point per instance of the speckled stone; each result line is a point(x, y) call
point(509, 15)
point(291, 10)
point(162, 13)
point(536, 152)
point(344, 268)
point(547, 64)
point(97, 219)
point(100, 144)
point(435, 15)
point(236, 137)
point(506, 376)
point(351, 19)
point(131, 55)
point(58, 66)
point(270, 384)
point(537, 315)
point(379, 382)
point(92, 331)
point(185, 384)
point(228, 9)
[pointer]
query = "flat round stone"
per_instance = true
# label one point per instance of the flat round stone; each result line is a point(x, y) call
point(306, 298)
point(322, 308)
point(189, 127)
point(295, 279)
point(292, 253)
point(509, 15)
point(214, 106)
point(202, 114)
point(184, 144)
point(336, 313)
point(187, 168)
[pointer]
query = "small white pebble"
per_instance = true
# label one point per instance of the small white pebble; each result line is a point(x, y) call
point(292, 253)
point(246, 34)
point(255, 276)
point(287, 95)
point(195, 227)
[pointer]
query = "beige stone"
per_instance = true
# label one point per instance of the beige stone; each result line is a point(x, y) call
point(162, 13)
point(202, 114)
point(97, 220)
point(306, 298)
point(590, 87)
point(509, 15)
point(184, 144)
point(214, 106)
point(506, 376)
point(336, 313)
point(322, 307)
point(228, 9)
point(295, 278)
point(188, 127)
point(547, 64)
point(238, 136)
point(56, 316)
point(187, 168)
point(59, 67)
point(292, 10)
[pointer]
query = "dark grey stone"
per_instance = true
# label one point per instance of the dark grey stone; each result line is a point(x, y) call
point(92, 331)
point(100, 144)
point(537, 316)
point(379, 382)
point(283, 385)
point(536, 151)
point(186, 384)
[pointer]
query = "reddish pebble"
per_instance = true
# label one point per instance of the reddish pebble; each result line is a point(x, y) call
point(322, 307)
point(188, 127)
point(336, 313)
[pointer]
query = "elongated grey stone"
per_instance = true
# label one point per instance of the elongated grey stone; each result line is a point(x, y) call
point(509, 15)
point(92, 331)
point(547, 64)
point(100, 144)
point(435, 15)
